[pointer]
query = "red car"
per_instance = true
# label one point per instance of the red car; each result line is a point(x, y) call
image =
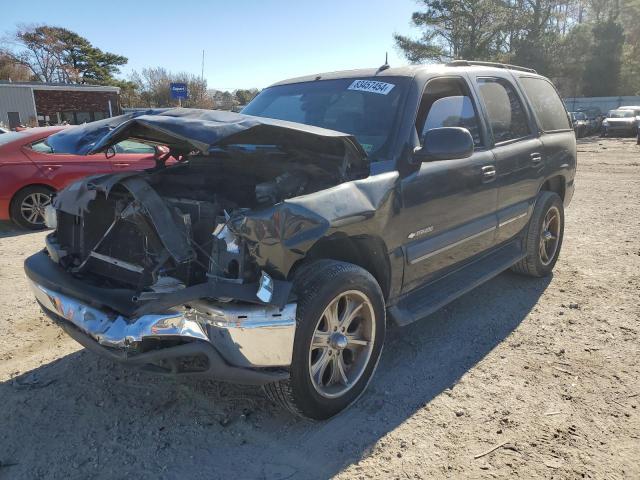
point(30, 172)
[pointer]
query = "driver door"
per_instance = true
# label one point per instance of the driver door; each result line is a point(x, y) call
point(132, 155)
point(448, 207)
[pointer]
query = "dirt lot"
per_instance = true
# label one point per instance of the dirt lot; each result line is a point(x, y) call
point(546, 370)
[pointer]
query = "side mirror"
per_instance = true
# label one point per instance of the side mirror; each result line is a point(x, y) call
point(110, 152)
point(446, 143)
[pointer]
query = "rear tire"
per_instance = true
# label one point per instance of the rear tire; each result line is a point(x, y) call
point(543, 238)
point(339, 337)
point(27, 207)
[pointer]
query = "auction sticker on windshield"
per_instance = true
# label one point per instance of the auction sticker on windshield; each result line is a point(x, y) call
point(371, 86)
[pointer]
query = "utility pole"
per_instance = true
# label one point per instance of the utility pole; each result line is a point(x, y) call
point(202, 73)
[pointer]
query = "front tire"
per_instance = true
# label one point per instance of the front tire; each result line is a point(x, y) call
point(27, 207)
point(543, 238)
point(339, 337)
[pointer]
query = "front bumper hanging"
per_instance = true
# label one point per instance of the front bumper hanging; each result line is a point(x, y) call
point(234, 342)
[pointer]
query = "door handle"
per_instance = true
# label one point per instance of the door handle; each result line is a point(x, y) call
point(489, 173)
point(50, 167)
point(121, 165)
point(536, 158)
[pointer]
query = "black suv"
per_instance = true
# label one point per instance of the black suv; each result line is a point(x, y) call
point(271, 247)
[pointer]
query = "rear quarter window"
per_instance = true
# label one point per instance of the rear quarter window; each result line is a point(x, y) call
point(505, 111)
point(546, 104)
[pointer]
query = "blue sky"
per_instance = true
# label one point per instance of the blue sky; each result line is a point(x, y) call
point(247, 43)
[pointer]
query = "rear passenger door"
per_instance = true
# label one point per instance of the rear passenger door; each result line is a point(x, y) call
point(556, 132)
point(519, 153)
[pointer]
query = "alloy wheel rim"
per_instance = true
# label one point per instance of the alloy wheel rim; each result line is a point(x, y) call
point(550, 236)
point(342, 344)
point(32, 207)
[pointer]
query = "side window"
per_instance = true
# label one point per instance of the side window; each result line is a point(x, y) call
point(41, 147)
point(506, 114)
point(131, 146)
point(446, 102)
point(546, 103)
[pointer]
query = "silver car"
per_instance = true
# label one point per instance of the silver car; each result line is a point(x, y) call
point(620, 122)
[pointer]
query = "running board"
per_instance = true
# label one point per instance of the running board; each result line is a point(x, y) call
point(430, 297)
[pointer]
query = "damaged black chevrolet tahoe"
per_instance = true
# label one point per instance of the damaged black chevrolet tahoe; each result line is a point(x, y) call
point(272, 247)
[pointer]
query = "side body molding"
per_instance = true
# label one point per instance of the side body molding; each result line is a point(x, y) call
point(435, 245)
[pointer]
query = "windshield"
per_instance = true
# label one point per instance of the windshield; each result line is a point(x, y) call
point(366, 108)
point(621, 114)
point(580, 116)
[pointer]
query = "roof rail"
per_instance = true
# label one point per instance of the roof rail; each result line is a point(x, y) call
point(467, 63)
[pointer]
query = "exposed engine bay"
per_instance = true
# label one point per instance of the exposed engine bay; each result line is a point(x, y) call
point(167, 229)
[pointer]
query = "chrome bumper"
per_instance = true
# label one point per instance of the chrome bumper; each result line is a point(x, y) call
point(246, 336)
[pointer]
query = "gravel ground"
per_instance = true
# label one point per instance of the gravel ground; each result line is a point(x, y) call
point(544, 371)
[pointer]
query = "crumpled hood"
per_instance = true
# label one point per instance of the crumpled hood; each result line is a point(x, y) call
point(188, 129)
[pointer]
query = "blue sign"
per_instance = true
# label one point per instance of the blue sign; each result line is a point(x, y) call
point(179, 91)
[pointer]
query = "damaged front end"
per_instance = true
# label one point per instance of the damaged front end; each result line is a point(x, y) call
point(152, 268)
point(118, 232)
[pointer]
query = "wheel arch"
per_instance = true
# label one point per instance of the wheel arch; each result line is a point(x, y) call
point(556, 184)
point(366, 251)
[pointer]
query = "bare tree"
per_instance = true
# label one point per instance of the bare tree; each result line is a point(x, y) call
point(151, 88)
point(13, 71)
point(35, 48)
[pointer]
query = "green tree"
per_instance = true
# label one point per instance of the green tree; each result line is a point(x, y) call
point(245, 96)
point(602, 70)
point(451, 29)
point(536, 24)
point(572, 54)
point(587, 47)
point(224, 100)
point(55, 54)
point(630, 70)
point(87, 64)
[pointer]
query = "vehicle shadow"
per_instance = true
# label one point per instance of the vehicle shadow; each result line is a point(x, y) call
point(82, 416)
point(630, 139)
point(591, 139)
point(9, 229)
